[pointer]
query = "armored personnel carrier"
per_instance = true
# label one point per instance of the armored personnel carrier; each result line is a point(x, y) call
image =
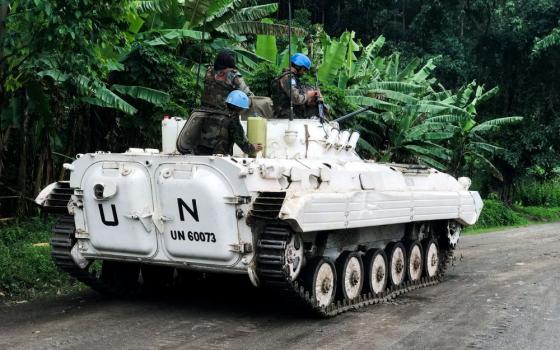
point(308, 217)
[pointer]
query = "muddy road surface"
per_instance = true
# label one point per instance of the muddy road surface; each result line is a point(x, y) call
point(503, 292)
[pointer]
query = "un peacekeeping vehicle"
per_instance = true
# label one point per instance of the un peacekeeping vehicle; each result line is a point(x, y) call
point(307, 217)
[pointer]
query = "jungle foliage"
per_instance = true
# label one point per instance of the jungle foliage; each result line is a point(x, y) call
point(449, 83)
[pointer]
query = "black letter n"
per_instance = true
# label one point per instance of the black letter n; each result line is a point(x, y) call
point(193, 211)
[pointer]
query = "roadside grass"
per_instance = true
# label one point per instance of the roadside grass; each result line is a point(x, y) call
point(496, 216)
point(26, 268)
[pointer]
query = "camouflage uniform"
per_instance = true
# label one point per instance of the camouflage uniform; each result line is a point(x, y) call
point(218, 84)
point(281, 96)
point(210, 132)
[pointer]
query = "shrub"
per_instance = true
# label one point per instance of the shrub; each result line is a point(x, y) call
point(538, 194)
point(496, 213)
point(539, 213)
point(26, 268)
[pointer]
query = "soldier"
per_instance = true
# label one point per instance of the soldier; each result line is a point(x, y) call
point(301, 97)
point(214, 132)
point(221, 79)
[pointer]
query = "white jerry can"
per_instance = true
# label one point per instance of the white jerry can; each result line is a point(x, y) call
point(170, 129)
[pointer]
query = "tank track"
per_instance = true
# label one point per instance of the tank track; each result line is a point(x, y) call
point(270, 262)
point(62, 241)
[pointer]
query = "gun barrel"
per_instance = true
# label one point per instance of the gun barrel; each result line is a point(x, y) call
point(350, 115)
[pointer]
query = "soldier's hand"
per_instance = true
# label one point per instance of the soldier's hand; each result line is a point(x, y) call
point(258, 147)
point(311, 96)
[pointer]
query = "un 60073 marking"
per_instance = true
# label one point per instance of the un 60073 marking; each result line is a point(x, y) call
point(193, 236)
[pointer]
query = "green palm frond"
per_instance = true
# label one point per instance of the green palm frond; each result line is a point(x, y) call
point(368, 55)
point(369, 101)
point(431, 150)
point(366, 146)
point(334, 59)
point(424, 72)
point(488, 163)
point(97, 94)
point(256, 28)
point(397, 86)
point(448, 118)
point(425, 160)
point(153, 96)
point(409, 69)
point(172, 37)
point(55, 74)
point(254, 13)
point(496, 123)
point(196, 11)
point(492, 149)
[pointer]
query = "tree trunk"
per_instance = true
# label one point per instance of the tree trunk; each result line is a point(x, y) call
point(23, 159)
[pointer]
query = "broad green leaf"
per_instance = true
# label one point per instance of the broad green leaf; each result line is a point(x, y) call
point(255, 28)
point(363, 144)
point(334, 59)
point(113, 101)
point(410, 67)
point(424, 72)
point(369, 101)
point(196, 11)
point(432, 151)
point(495, 123)
point(397, 86)
point(254, 13)
point(156, 97)
point(266, 45)
point(175, 36)
point(56, 75)
point(449, 118)
point(431, 162)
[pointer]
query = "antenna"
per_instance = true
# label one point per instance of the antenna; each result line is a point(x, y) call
point(201, 57)
point(290, 56)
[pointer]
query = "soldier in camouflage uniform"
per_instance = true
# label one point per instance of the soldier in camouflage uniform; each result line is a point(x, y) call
point(210, 132)
point(220, 80)
point(303, 98)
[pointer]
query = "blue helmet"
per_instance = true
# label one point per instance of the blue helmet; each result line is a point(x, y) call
point(239, 99)
point(301, 60)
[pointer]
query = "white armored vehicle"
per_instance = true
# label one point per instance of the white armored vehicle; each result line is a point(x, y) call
point(308, 217)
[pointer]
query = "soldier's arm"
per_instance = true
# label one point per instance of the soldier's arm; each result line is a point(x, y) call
point(298, 96)
point(235, 79)
point(239, 84)
point(237, 134)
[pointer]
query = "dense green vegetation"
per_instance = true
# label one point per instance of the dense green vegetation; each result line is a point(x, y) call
point(496, 214)
point(26, 268)
point(81, 76)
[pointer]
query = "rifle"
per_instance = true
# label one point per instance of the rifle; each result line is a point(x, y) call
point(351, 114)
point(320, 103)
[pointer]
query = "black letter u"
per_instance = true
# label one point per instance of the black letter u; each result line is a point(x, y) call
point(115, 221)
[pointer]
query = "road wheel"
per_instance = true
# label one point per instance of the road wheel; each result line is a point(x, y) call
point(294, 256)
point(397, 264)
point(415, 262)
point(350, 275)
point(431, 259)
point(376, 271)
point(320, 281)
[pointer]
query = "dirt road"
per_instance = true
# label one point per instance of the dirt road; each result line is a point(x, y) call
point(502, 293)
